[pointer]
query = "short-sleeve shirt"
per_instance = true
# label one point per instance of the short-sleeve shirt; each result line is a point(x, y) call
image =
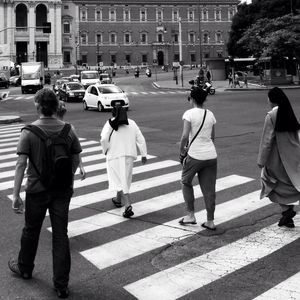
point(202, 147)
point(31, 145)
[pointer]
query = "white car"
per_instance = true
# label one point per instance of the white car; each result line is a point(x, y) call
point(104, 96)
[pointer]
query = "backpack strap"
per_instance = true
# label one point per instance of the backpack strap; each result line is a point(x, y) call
point(65, 131)
point(37, 131)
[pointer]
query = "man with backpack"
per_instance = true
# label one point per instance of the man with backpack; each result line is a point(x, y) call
point(51, 150)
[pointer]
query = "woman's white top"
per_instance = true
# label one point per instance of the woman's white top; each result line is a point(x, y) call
point(124, 141)
point(202, 147)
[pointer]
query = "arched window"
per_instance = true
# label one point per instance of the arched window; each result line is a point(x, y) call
point(21, 15)
point(40, 15)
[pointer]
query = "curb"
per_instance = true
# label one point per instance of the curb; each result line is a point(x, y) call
point(9, 119)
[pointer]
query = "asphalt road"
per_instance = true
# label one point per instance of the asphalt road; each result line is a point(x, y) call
point(150, 256)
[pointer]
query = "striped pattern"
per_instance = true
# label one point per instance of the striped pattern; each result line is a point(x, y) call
point(157, 186)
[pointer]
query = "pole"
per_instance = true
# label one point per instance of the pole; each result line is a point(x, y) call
point(200, 36)
point(180, 50)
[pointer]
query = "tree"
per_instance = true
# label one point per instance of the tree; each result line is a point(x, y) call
point(250, 14)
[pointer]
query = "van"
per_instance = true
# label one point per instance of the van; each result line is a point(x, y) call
point(88, 78)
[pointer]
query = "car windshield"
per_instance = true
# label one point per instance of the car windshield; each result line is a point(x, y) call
point(75, 86)
point(110, 90)
point(89, 75)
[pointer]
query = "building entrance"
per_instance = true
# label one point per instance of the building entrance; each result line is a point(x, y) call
point(160, 58)
point(42, 52)
point(21, 52)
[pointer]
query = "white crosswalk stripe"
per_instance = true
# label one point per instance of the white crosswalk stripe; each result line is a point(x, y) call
point(157, 186)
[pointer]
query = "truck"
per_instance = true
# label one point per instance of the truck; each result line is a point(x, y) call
point(32, 76)
point(88, 78)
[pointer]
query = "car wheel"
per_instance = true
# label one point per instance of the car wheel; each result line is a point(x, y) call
point(100, 107)
point(85, 107)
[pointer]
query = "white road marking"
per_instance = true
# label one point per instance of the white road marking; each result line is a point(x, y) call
point(195, 273)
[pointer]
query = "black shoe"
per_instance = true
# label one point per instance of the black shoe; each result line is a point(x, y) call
point(128, 212)
point(287, 218)
point(116, 202)
point(14, 267)
point(62, 293)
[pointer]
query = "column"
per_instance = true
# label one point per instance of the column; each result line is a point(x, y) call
point(51, 19)
point(9, 30)
point(2, 26)
point(58, 34)
point(31, 30)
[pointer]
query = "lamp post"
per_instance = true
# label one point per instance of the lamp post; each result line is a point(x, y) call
point(76, 67)
point(200, 36)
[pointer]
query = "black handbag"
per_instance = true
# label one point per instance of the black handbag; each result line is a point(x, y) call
point(183, 156)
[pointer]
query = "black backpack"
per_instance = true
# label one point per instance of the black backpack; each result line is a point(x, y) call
point(56, 170)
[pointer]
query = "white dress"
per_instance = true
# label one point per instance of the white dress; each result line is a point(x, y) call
point(121, 151)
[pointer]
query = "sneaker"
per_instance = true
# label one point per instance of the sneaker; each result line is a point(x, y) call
point(62, 293)
point(14, 267)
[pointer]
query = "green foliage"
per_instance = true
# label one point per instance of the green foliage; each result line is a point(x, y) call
point(249, 16)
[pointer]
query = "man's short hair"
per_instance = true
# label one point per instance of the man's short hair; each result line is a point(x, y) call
point(46, 101)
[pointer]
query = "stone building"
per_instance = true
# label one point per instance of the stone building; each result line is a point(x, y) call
point(137, 32)
point(109, 32)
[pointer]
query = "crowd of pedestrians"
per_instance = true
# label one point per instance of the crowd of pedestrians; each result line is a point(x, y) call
point(278, 158)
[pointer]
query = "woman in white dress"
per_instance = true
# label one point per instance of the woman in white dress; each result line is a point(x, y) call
point(120, 138)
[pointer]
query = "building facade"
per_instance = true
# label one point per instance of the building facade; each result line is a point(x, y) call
point(21, 31)
point(142, 32)
point(119, 33)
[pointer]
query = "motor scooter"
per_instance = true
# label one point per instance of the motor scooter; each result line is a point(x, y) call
point(207, 86)
point(136, 73)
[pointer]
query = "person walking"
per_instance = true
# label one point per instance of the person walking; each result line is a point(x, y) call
point(208, 75)
point(279, 156)
point(201, 158)
point(230, 80)
point(245, 79)
point(61, 111)
point(120, 138)
point(33, 151)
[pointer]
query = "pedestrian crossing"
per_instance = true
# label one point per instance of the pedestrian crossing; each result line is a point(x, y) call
point(129, 93)
point(156, 185)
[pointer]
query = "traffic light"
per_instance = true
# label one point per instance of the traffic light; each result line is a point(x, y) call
point(47, 27)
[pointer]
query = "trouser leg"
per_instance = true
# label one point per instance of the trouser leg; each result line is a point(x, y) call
point(207, 179)
point(188, 173)
point(59, 209)
point(35, 211)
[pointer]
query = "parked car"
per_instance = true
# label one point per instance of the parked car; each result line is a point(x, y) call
point(105, 78)
point(4, 81)
point(75, 78)
point(15, 80)
point(71, 91)
point(58, 84)
point(104, 96)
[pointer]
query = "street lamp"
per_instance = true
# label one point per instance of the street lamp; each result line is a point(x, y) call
point(76, 67)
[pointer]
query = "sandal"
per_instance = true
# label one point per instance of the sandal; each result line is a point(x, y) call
point(116, 203)
point(128, 212)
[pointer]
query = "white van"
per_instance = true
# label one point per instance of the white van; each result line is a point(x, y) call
point(88, 78)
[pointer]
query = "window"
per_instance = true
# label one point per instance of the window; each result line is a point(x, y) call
point(159, 15)
point(230, 14)
point(206, 38)
point(67, 57)
point(128, 58)
point(176, 57)
point(66, 40)
point(113, 59)
point(66, 6)
point(144, 38)
point(218, 37)
point(175, 16)
point(84, 58)
point(113, 38)
point(66, 27)
point(144, 58)
point(206, 55)
point(83, 15)
point(98, 15)
point(191, 15)
point(160, 38)
point(112, 15)
point(175, 38)
point(99, 38)
point(143, 15)
point(127, 38)
point(126, 15)
point(83, 37)
point(193, 57)
point(99, 58)
point(205, 15)
point(218, 15)
point(191, 37)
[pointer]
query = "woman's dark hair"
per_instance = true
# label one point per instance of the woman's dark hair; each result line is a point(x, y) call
point(199, 95)
point(120, 117)
point(286, 119)
point(47, 101)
